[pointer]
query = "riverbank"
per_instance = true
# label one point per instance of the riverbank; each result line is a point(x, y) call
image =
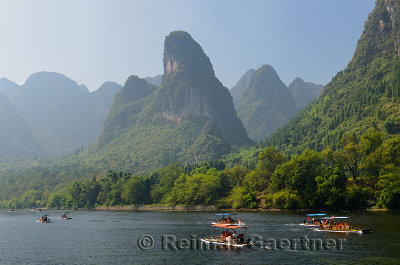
point(202, 208)
point(213, 208)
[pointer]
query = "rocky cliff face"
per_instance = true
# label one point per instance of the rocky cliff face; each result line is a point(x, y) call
point(190, 89)
point(266, 103)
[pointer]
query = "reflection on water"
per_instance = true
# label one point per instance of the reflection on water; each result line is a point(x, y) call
point(101, 237)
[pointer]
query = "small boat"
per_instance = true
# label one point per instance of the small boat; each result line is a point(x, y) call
point(11, 210)
point(340, 225)
point(229, 238)
point(65, 217)
point(313, 219)
point(225, 218)
point(43, 219)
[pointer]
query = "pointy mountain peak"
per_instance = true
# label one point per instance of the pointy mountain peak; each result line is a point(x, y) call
point(266, 83)
point(182, 53)
point(297, 80)
point(265, 104)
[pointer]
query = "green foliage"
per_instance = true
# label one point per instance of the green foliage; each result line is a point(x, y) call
point(309, 180)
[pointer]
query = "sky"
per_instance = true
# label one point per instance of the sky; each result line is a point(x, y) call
point(93, 41)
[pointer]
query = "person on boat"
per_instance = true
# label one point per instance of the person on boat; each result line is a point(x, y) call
point(223, 220)
point(234, 235)
point(239, 221)
point(229, 220)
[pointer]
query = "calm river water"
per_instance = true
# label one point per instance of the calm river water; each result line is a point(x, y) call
point(105, 237)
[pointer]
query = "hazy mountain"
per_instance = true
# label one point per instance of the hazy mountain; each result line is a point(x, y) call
point(304, 92)
point(238, 90)
point(101, 101)
point(7, 87)
point(16, 139)
point(266, 103)
point(156, 80)
point(62, 114)
point(189, 118)
point(365, 95)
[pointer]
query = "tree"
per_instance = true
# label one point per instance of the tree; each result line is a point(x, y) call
point(352, 155)
point(134, 191)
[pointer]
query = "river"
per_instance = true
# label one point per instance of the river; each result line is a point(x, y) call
point(107, 237)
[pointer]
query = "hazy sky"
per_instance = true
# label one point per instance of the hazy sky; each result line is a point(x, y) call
point(92, 41)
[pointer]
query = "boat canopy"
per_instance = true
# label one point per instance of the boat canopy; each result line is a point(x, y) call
point(43, 214)
point(230, 226)
point(335, 217)
point(316, 214)
point(224, 214)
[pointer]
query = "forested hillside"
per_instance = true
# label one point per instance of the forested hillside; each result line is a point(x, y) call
point(364, 95)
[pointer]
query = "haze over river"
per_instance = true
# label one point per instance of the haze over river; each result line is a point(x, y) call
point(108, 237)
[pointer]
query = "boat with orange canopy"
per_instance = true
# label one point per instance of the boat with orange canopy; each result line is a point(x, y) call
point(340, 225)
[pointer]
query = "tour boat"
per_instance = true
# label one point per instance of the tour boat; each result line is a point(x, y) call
point(65, 217)
point(340, 225)
point(313, 219)
point(43, 219)
point(229, 238)
point(225, 218)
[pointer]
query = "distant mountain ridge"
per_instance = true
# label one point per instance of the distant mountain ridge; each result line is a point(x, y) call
point(61, 114)
point(155, 80)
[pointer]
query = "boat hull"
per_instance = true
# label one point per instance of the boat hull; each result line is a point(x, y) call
point(44, 222)
point(223, 244)
point(341, 231)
